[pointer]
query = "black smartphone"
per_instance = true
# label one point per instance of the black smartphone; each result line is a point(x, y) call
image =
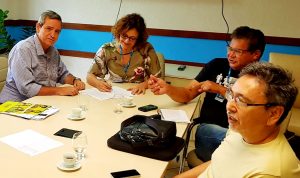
point(147, 108)
point(132, 173)
point(181, 67)
point(64, 132)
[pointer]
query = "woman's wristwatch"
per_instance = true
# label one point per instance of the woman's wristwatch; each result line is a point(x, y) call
point(76, 78)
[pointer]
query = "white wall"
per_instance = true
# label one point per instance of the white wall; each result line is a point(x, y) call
point(77, 66)
point(273, 17)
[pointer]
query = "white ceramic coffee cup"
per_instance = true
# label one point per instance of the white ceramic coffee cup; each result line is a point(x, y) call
point(128, 100)
point(69, 160)
point(76, 112)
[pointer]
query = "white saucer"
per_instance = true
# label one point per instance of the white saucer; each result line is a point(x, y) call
point(76, 118)
point(63, 168)
point(128, 105)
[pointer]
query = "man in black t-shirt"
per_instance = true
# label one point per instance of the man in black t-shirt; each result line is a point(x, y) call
point(213, 109)
point(247, 45)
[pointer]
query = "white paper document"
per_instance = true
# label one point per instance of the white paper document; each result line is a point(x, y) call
point(174, 115)
point(116, 92)
point(30, 142)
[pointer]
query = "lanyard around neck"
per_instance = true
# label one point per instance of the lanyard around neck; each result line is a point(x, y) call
point(228, 75)
point(125, 68)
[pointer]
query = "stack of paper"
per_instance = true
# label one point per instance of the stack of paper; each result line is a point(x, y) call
point(116, 92)
point(174, 115)
point(27, 110)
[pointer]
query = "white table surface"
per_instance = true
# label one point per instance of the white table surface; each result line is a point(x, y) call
point(100, 124)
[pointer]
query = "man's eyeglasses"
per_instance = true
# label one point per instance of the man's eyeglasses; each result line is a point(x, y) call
point(237, 52)
point(130, 38)
point(239, 100)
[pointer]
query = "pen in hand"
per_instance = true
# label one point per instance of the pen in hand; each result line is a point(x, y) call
point(105, 85)
point(108, 82)
point(104, 80)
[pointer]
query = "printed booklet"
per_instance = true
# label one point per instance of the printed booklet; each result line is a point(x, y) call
point(27, 110)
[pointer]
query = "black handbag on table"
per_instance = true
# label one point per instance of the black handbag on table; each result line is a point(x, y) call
point(147, 136)
point(141, 131)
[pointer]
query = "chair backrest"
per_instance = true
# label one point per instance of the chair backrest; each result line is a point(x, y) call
point(292, 64)
point(3, 70)
point(161, 60)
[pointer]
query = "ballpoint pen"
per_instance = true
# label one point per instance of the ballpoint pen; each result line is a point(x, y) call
point(104, 80)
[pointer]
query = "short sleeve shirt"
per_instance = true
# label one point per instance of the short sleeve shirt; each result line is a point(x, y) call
point(213, 109)
point(235, 158)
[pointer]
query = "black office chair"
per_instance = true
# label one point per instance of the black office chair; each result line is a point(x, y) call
point(189, 129)
point(187, 140)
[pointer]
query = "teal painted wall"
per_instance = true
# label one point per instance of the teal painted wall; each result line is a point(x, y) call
point(173, 48)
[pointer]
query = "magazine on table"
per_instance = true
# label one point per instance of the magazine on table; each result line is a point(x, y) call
point(27, 110)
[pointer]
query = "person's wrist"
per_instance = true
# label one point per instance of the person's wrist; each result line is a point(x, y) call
point(223, 91)
point(168, 88)
point(101, 79)
point(145, 85)
point(75, 78)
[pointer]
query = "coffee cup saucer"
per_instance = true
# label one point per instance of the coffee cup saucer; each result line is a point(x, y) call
point(71, 117)
point(62, 166)
point(126, 105)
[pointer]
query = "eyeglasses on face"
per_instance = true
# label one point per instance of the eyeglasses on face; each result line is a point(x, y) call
point(237, 52)
point(239, 100)
point(130, 38)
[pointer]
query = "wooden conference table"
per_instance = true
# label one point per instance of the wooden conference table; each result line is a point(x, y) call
point(100, 124)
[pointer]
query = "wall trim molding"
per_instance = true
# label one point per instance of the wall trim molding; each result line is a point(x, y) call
point(92, 55)
point(76, 53)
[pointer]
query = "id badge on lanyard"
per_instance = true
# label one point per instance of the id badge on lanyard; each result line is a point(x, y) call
point(219, 97)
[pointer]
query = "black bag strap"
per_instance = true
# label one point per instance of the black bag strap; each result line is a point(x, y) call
point(132, 119)
point(140, 118)
point(156, 124)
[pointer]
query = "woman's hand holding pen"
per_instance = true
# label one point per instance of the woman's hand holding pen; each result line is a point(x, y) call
point(104, 86)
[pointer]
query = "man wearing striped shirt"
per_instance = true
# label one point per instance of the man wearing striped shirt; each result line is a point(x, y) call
point(35, 66)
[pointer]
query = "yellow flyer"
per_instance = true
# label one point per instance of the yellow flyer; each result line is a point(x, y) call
point(27, 110)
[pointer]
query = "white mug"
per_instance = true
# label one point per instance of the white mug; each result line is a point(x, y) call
point(76, 112)
point(69, 160)
point(127, 100)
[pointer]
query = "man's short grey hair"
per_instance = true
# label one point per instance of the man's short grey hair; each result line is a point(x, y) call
point(50, 14)
point(280, 88)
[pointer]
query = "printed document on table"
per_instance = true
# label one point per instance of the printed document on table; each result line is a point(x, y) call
point(30, 142)
point(174, 115)
point(116, 92)
point(27, 110)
